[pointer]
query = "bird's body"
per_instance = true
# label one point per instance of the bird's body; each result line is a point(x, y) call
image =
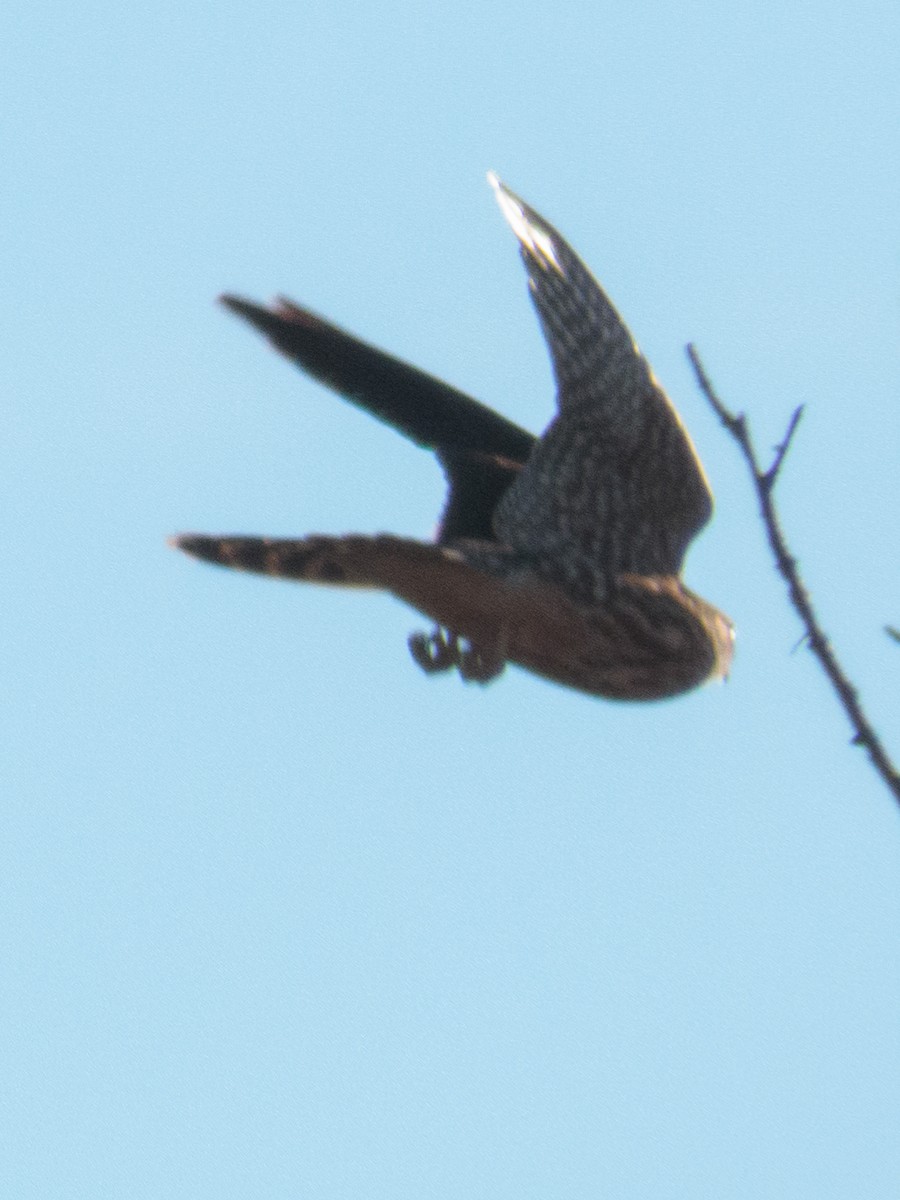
point(561, 554)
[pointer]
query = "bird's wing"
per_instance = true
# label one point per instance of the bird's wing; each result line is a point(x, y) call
point(429, 412)
point(617, 451)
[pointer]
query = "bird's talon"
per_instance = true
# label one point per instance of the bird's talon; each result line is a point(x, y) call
point(476, 665)
point(437, 651)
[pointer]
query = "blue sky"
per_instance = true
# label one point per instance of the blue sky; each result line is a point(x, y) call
point(279, 915)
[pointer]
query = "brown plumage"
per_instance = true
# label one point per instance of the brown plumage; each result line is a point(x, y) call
point(561, 554)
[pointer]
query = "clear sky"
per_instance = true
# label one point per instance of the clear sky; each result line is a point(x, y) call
point(281, 917)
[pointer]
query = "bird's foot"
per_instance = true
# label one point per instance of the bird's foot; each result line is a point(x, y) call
point(478, 665)
point(437, 651)
point(442, 651)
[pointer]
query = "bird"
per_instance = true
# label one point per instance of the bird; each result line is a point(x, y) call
point(561, 554)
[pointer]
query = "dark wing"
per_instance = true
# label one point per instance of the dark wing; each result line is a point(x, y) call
point(477, 483)
point(480, 451)
point(615, 478)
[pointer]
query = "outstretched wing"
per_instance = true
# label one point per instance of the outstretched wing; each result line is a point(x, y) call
point(481, 451)
point(420, 406)
point(615, 479)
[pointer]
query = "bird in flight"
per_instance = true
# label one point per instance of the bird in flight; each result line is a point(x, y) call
point(561, 554)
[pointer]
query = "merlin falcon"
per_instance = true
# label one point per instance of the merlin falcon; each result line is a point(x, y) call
point(561, 554)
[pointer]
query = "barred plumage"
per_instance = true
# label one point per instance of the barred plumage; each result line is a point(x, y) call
point(561, 554)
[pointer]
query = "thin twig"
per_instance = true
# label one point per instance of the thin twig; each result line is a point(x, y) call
point(764, 483)
point(780, 451)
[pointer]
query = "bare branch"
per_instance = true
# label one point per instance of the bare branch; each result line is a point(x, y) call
point(764, 482)
point(781, 450)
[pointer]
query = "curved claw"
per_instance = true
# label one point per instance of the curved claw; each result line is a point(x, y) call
point(442, 650)
point(478, 666)
point(437, 651)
